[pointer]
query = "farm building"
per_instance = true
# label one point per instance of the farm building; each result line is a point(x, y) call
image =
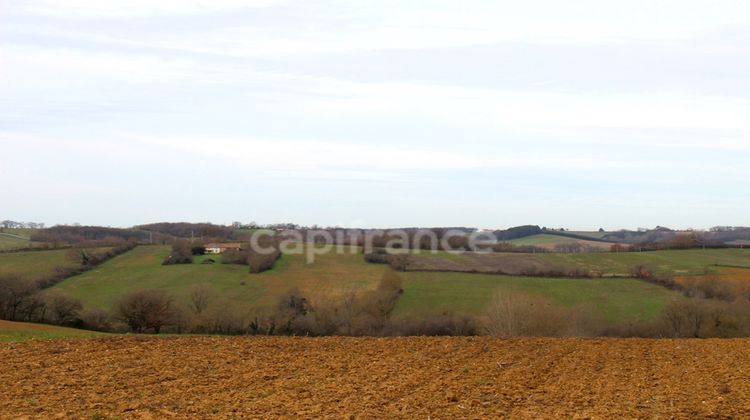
point(216, 248)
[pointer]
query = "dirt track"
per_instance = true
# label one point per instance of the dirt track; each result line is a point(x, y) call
point(374, 378)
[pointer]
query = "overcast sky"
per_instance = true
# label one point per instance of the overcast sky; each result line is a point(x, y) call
point(582, 114)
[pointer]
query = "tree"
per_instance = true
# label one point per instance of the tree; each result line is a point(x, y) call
point(95, 319)
point(511, 315)
point(146, 309)
point(200, 297)
point(505, 316)
point(290, 307)
point(399, 262)
point(261, 262)
point(14, 293)
point(685, 318)
point(182, 253)
point(63, 309)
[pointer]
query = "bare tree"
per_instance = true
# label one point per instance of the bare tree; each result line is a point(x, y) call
point(505, 316)
point(64, 309)
point(14, 293)
point(146, 309)
point(518, 314)
point(200, 297)
point(685, 318)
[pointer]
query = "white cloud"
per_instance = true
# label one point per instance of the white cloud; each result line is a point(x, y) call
point(299, 95)
point(129, 8)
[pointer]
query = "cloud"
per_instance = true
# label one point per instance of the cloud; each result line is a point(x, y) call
point(529, 103)
point(90, 9)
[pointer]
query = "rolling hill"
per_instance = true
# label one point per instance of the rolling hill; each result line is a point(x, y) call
point(425, 294)
point(36, 265)
point(550, 240)
point(332, 276)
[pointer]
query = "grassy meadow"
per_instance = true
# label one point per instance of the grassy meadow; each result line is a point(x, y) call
point(546, 240)
point(12, 242)
point(333, 275)
point(616, 300)
point(16, 238)
point(11, 331)
point(35, 264)
point(675, 262)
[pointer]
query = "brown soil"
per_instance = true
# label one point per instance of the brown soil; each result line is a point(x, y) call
point(131, 377)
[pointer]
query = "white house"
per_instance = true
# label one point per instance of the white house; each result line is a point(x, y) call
point(216, 248)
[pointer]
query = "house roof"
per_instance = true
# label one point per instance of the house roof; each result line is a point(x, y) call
point(224, 245)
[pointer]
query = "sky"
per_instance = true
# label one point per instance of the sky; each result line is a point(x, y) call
point(490, 114)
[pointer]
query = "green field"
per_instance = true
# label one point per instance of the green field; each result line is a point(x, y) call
point(16, 238)
point(19, 331)
point(331, 276)
point(617, 300)
point(591, 234)
point(549, 240)
point(679, 262)
point(35, 264)
point(676, 262)
point(12, 242)
point(425, 293)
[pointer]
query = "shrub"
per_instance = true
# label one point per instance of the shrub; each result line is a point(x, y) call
point(15, 296)
point(63, 310)
point(145, 310)
point(258, 262)
point(181, 254)
point(95, 319)
point(233, 256)
point(261, 262)
point(200, 297)
point(377, 256)
point(290, 307)
point(524, 315)
point(710, 287)
point(399, 262)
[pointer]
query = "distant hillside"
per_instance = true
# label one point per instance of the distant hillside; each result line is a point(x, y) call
point(11, 238)
point(552, 241)
point(664, 236)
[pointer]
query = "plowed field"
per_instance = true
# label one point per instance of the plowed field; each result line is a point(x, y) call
point(131, 377)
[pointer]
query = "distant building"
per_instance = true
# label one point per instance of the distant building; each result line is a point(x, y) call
point(219, 248)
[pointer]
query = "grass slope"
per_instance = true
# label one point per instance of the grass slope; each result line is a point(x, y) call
point(677, 262)
point(34, 264)
point(591, 234)
point(690, 261)
point(16, 238)
point(618, 300)
point(11, 331)
point(333, 275)
point(547, 240)
point(8, 241)
point(330, 276)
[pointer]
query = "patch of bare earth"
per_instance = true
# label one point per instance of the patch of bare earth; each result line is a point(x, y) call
point(249, 377)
